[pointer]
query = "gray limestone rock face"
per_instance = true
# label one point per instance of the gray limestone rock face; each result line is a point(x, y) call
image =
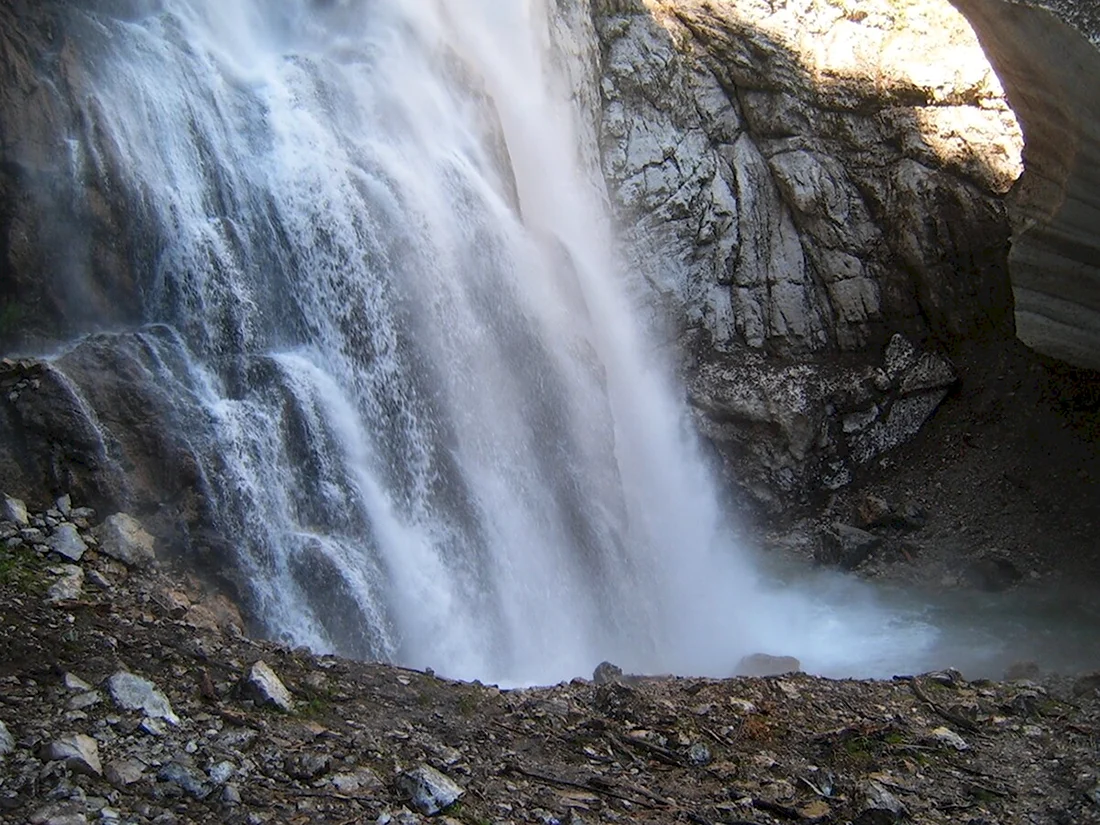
point(776, 210)
point(132, 692)
point(428, 790)
point(122, 537)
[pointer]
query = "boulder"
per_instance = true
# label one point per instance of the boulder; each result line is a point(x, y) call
point(132, 692)
point(79, 752)
point(122, 537)
point(12, 509)
point(428, 790)
point(263, 686)
point(69, 586)
point(66, 542)
point(606, 672)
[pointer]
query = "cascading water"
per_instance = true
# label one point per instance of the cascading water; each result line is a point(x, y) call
point(381, 292)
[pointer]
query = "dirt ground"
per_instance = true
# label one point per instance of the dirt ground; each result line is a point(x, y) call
point(1004, 481)
point(790, 748)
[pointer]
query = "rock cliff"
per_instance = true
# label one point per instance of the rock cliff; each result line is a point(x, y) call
point(1043, 51)
point(810, 176)
point(800, 180)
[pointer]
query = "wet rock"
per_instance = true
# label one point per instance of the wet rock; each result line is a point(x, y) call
point(14, 510)
point(79, 752)
point(763, 664)
point(69, 586)
point(66, 541)
point(7, 741)
point(606, 672)
point(264, 686)
point(900, 356)
point(846, 547)
point(122, 537)
point(428, 790)
point(132, 692)
point(880, 807)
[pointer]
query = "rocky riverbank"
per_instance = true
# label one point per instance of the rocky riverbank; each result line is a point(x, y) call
point(128, 694)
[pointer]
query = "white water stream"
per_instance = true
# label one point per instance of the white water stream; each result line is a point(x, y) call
point(433, 429)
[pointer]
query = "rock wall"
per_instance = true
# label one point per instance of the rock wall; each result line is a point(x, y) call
point(1048, 55)
point(812, 175)
point(798, 181)
point(66, 237)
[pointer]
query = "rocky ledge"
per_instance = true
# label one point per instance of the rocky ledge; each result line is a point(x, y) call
point(128, 695)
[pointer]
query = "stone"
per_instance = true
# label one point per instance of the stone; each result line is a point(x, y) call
point(428, 790)
point(123, 772)
point(132, 692)
point(122, 537)
point(79, 752)
point(946, 736)
point(191, 780)
point(65, 505)
point(307, 766)
point(931, 372)
point(66, 541)
point(75, 683)
point(264, 686)
point(699, 754)
point(879, 806)
point(64, 813)
point(846, 547)
point(84, 700)
point(763, 664)
point(875, 511)
point(7, 741)
point(360, 780)
point(14, 510)
point(606, 672)
point(69, 586)
point(900, 356)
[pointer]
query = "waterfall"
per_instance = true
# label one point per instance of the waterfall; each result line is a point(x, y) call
point(379, 285)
